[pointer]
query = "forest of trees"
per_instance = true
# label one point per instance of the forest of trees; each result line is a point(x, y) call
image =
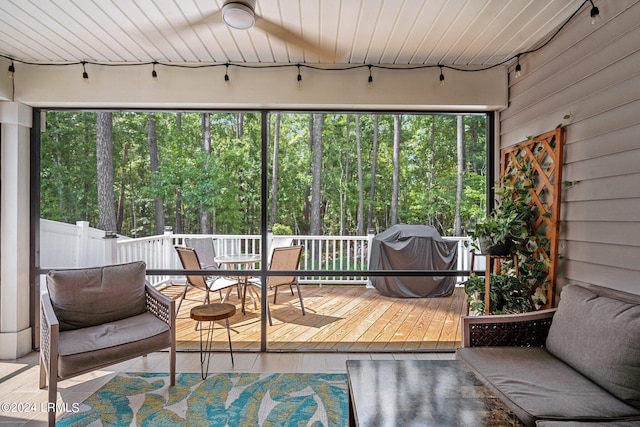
point(200, 172)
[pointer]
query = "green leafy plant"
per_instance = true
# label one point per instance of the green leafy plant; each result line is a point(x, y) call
point(508, 294)
point(281, 230)
point(511, 221)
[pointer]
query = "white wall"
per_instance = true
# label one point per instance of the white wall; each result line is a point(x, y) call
point(593, 73)
point(251, 88)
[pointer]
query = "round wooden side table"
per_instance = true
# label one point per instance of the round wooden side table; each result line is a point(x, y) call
point(211, 313)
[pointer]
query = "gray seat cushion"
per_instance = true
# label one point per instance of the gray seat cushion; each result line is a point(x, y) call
point(536, 385)
point(86, 349)
point(588, 423)
point(599, 336)
point(92, 296)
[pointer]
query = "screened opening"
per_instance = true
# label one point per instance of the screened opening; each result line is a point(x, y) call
point(332, 180)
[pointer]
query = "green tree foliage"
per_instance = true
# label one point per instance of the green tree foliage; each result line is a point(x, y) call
point(227, 181)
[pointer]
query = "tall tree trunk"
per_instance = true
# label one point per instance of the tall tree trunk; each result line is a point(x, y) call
point(158, 205)
point(178, 206)
point(316, 175)
point(104, 157)
point(344, 202)
point(205, 216)
point(360, 220)
point(306, 209)
point(396, 169)
point(121, 198)
point(178, 229)
point(243, 200)
point(461, 161)
point(274, 171)
point(239, 125)
point(432, 168)
point(374, 162)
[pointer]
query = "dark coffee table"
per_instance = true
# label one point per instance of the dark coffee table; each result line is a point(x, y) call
point(421, 393)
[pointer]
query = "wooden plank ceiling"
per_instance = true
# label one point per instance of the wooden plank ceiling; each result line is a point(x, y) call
point(401, 32)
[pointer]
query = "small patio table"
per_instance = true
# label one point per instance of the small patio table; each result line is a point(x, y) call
point(211, 313)
point(236, 261)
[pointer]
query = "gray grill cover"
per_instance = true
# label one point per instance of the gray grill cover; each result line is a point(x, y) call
point(413, 247)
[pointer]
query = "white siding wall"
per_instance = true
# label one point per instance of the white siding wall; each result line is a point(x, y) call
point(593, 73)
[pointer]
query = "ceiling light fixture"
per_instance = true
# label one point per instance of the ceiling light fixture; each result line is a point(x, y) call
point(299, 76)
point(154, 74)
point(595, 13)
point(518, 68)
point(370, 81)
point(11, 70)
point(238, 15)
point(441, 76)
point(227, 81)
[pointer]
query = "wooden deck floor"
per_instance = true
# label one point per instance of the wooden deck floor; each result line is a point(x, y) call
point(346, 318)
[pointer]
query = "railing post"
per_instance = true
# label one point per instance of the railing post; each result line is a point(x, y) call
point(168, 247)
point(82, 249)
point(370, 235)
point(110, 247)
point(269, 242)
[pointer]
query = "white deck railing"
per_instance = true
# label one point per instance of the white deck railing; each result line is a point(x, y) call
point(67, 245)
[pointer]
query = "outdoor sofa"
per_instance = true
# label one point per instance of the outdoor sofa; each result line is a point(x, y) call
point(577, 365)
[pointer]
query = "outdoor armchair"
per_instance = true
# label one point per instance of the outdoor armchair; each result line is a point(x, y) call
point(283, 258)
point(205, 249)
point(190, 261)
point(91, 318)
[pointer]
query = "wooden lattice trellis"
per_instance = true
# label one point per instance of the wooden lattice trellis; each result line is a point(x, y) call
point(546, 157)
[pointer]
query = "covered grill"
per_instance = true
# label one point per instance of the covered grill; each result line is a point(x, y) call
point(413, 247)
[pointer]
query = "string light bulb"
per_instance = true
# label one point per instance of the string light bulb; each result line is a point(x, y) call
point(154, 73)
point(518, 69)
point(595, 14)
point(227, 81)
point(441, 76)
point(85, 75)
point(299, 78)
point(11, 70)
point(370, 80)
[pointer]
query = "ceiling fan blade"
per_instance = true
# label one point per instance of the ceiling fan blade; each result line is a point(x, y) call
point(212, 18)
point(283, 34)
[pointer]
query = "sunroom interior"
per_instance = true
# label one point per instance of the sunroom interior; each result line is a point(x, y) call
point(530, 69)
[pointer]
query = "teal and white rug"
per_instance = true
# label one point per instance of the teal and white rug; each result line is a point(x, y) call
point(225, 400)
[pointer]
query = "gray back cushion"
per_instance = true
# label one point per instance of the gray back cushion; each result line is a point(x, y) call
point(599, 336)
point(93, 296)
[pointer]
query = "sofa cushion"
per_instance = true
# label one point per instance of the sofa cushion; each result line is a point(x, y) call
point(536, 385)
point(92, 296)
point(82, 350)
point(598, 336)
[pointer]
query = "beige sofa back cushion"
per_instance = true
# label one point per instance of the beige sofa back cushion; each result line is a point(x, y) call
point(598, 335)
point(93, 296)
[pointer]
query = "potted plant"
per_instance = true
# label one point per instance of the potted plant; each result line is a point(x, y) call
point(509, 223)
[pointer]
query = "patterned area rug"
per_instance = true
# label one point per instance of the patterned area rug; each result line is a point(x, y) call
point(228, 399)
